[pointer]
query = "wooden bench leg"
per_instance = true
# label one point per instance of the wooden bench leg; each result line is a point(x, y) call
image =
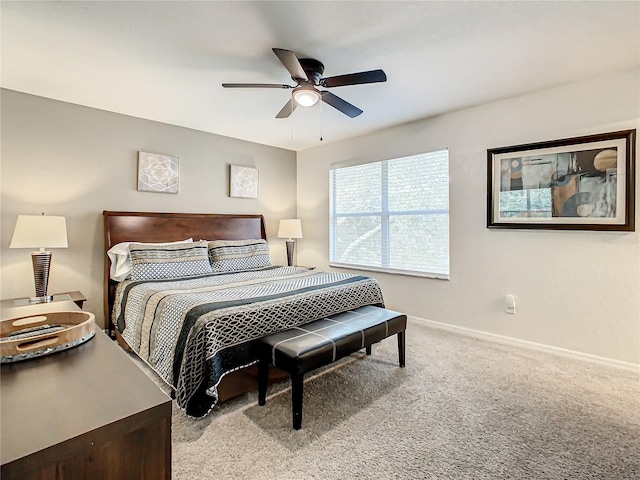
point(369, 350)
point(263, 376)
point(297, 387)
point(401, 345)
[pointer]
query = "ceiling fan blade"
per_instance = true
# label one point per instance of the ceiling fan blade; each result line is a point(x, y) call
point(291, 63)
point(340, 104)
point(255, 85)
point(287, 109)
point(372, 76)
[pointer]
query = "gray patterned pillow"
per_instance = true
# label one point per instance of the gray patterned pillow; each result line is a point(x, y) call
point(238, 255)
point(155, 262)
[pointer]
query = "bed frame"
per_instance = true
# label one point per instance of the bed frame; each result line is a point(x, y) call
point(170, 227)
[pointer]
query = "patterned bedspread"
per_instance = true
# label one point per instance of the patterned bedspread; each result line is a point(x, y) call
point(194, 331)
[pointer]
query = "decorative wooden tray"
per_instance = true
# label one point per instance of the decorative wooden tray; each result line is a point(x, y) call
point(29, 337)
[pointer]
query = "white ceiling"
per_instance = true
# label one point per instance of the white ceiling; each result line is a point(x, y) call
point(165, 61)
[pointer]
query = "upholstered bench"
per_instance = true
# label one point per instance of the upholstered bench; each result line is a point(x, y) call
point(321, 342)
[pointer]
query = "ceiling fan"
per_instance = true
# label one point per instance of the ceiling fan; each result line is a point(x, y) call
point(307, 73)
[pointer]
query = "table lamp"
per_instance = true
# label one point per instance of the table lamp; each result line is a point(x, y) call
point(40, 231)
point(290, 228)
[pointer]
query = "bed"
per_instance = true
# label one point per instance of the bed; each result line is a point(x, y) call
point(198, 328)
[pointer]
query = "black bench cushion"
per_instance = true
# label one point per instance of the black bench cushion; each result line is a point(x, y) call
point(318, 343)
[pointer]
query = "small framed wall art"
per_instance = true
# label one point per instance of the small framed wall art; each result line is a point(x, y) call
point(581, 183)
point(243, 182)
point(158, 173)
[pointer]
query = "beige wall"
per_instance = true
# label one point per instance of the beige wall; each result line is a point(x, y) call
point(63, 159)
point(574, 290)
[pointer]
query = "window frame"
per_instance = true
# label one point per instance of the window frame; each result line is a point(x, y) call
point(384, 215)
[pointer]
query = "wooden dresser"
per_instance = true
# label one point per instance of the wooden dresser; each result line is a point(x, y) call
point(85, 413)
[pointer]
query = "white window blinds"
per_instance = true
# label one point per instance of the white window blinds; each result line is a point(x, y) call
point(392, 215)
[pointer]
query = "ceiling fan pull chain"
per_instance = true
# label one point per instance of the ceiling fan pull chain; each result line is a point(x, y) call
point(292, 108)
point(320, 121)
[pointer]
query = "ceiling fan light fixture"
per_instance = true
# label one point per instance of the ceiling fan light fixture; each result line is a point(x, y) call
point(306, 97)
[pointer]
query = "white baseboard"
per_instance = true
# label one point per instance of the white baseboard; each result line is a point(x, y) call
point(627, 366)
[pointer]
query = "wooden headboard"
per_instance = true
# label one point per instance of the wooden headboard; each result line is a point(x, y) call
point(171, 227)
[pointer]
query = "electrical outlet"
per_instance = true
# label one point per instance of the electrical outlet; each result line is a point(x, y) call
point(510, 304)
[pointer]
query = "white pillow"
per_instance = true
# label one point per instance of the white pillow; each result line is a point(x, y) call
point(121, 259)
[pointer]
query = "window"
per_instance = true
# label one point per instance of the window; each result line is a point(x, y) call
point(392, 216)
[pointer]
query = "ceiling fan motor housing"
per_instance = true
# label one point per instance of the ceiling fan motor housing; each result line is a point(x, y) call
point(313, 68)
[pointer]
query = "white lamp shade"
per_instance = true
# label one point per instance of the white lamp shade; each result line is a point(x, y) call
point(306, 97)
point(39, 231)
point(290, 228)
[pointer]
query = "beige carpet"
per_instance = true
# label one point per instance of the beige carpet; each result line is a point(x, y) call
point(462, 409)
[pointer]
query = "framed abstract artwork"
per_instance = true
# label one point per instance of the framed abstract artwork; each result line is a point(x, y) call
point(243, 182)
point(581, 183)
point(158, 173)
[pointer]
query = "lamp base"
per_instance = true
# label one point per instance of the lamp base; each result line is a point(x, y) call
point(41, 263)
point(45, 299)
point(290, 245)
